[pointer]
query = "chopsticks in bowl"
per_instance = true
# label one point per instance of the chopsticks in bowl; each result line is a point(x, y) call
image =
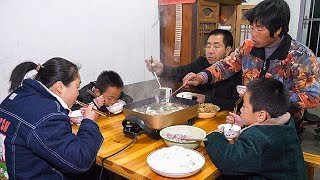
point(95, 110)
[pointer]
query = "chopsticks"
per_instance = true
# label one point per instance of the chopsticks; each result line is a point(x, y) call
point(95, 110)
point(177, 90)
point(91, 93)
point(236, 105)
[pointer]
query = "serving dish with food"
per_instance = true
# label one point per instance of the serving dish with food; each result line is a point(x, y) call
point(207, 110)
point(175, 161)
point(183, 135)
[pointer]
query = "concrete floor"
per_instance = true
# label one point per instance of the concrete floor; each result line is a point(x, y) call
point(311, 145)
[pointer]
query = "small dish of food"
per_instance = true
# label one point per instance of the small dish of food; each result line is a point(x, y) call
point(230, 131)
point(207, 110)
point(76, 117)
point(241, 89)
point(186, 95)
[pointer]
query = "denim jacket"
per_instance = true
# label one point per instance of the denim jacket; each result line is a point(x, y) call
point(39, 143)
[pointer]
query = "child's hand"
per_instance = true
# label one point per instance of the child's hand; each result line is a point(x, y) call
point(99, 101)
point(90, 114)
point(83, 110)
point(234, 119)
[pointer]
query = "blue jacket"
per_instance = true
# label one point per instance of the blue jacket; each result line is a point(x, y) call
point(39, 143)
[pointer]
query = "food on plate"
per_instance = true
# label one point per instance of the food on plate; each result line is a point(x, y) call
point(208, 108)
point(162, 108)
point(175, 159)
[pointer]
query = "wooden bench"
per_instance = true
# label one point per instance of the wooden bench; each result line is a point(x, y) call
point(312, 161)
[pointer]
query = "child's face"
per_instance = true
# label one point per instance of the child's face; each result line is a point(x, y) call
point(248, 116)
point(111, 95)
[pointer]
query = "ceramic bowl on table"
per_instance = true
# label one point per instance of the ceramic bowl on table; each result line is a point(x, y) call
point(230, 131)
point(207, 110)
point(116, 107)
point(241, 89)
point(186, 95)
point(175, 161)
point(76, 117)
point(176, 135)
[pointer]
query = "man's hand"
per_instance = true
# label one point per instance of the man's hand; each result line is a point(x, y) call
point(192, 79)
point(200, 97)
point(154, 66)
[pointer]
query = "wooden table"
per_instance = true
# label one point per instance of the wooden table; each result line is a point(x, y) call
point(131, 163)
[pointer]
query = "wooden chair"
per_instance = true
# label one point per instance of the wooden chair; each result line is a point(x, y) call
point(312, 161)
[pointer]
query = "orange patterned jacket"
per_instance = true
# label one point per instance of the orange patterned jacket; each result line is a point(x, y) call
point(292, 63)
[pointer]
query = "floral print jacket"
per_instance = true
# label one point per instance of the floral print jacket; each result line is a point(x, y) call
point(292, 63)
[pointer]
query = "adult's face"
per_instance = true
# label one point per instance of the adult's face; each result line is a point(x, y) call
point(261, 36)
point(69, 93)
point(215, 49)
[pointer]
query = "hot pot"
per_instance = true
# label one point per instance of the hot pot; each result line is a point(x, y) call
point(158, 122)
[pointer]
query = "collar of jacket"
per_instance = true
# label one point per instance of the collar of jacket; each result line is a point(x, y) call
point(41, 88)
point(281, 120)
point(280, 53)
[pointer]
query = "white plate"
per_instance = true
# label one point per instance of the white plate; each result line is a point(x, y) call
point(175, 161)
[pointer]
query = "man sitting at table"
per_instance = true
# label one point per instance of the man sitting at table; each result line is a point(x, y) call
point(268, 147)
point(223, 94)
point(108, 88)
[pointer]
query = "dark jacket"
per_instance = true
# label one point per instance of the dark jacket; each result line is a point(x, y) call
point(223, 94)
point(39, 143)
point(85, 97)
point(267, 150)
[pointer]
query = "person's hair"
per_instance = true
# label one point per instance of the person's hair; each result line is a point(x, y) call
point(274, 14)
point(108, 79)
point(270, 95)
point(227, 36)
point(53, 70)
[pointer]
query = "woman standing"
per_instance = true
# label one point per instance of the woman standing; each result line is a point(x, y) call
point(39, 143)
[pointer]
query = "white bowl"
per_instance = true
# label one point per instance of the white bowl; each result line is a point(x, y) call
point(175, 161)
point(116, 108)
point(241, 89)
point(186, 95)
point(172, 136)
point(230, 131)
point(76, 117)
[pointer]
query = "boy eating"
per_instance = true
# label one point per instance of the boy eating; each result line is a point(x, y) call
point(268, 146)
